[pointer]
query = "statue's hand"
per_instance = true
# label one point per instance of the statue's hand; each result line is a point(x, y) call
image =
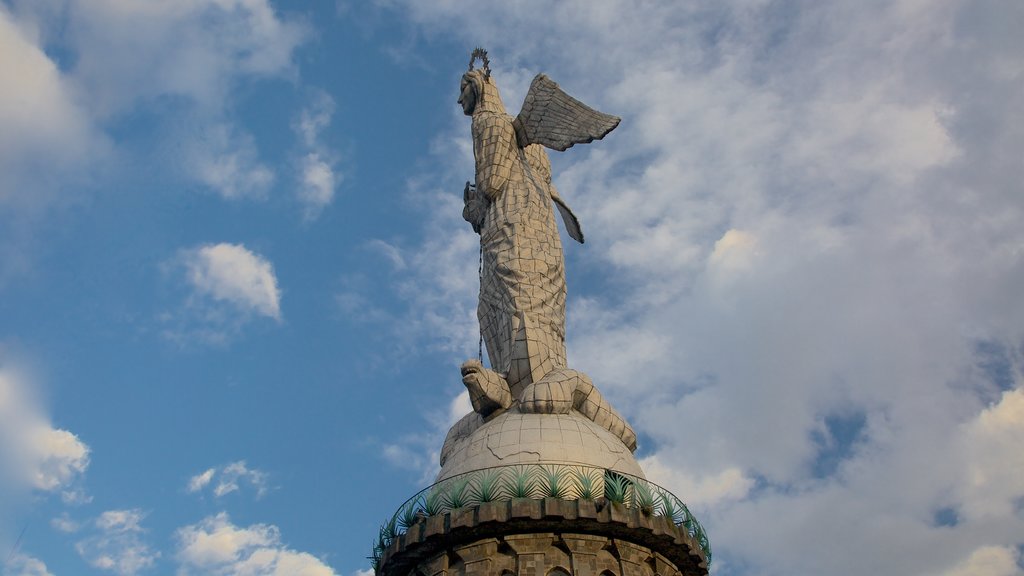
point(476, 206)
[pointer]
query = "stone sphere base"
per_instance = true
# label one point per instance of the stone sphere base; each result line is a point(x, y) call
point(513, 438)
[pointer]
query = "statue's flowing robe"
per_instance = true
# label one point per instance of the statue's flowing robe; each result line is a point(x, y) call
point(522, 285)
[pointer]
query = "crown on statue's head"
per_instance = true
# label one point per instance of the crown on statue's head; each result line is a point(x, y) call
point(482, 55)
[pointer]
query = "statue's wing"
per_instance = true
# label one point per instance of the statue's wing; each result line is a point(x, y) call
point(554, 119)
point(572, 225)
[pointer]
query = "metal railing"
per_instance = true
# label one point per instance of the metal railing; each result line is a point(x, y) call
point(538, 481)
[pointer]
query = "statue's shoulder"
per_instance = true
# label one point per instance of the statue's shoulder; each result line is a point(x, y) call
point(493, 123)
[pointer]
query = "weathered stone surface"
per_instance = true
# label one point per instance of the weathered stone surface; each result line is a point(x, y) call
point(493, 512)
point(526, 508)
point(586, 509)
point(463, 517)
point(558, 508)
point(520, 537)
point(434, 526)
point(547, 554)
point(478, 558)
point(513, 438)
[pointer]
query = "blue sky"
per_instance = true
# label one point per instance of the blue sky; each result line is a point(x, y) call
point(235, 285)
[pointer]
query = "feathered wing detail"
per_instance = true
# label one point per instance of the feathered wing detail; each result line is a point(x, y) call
point(554, 119)
point(572, 225)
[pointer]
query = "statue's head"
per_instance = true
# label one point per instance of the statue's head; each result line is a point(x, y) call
point(477, 92)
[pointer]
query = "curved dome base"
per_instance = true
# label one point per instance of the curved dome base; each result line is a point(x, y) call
point(513, 438)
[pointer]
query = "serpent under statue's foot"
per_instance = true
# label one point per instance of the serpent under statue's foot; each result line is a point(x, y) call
point(563, 389)
point(488, 391)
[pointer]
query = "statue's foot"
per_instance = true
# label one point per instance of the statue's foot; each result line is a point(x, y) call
point(488, 391)
point(564, 389)
point(553, 394)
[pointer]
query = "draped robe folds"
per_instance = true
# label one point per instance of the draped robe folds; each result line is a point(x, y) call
point(522, 285)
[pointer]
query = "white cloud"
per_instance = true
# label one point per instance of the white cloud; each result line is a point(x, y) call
point(391, 252)
point(988, 561)
point(229, 478)
point(314, 119)
point(64, 523)
point(200, 481)
point(75, 496)
point(24, 565)
point(179, 61)
point(227, 161)
point(216, 546)
point(437, 279)
point(133, 53)
point(421, 453)
point(46, 138)
point(229, 286)
point(33, 454)
point(318, 174)
point(994, 471)
point(318, 184)
point(233, 274)
point(116, 544)
point(799, 235)
point(38, 115)
point(699, 493)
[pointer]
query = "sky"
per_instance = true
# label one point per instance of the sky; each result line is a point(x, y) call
point(236, 287)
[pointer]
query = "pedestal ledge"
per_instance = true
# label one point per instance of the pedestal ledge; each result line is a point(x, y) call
point(584, 538)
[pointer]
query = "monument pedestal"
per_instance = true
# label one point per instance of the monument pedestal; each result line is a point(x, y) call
point(531, 537)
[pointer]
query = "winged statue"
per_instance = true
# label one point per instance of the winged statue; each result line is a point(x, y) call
point(522, 279)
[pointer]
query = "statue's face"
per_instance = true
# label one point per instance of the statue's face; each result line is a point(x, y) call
point(467, 98)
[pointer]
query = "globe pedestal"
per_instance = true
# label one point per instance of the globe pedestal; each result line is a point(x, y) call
point(514, 438)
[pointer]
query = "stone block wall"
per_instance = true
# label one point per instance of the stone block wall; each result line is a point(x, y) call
point(547, 554)
point(549, 537)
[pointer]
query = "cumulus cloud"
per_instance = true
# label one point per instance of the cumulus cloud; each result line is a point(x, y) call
point(42, 123)
point(46, 138)
point(233, 274)
point(180, 61)
point(116, 544)
point(988, 561)
point(803, 247)
point(702, 492)
point(217, 546)
point(994, 473)
point(228, 286)
point(34, 455)
point(228, 479)
point(132, 54)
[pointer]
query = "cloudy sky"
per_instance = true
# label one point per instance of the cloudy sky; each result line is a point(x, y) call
point(235, 285)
